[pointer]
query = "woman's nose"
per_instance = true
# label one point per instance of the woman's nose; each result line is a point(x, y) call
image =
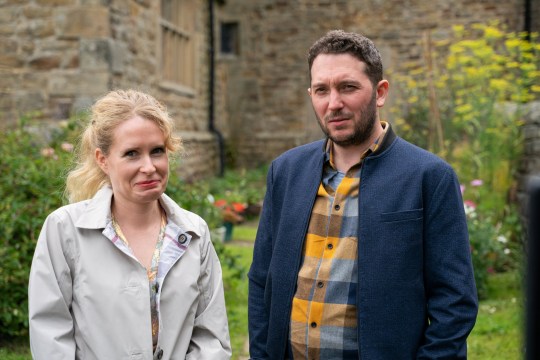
point(148, 165)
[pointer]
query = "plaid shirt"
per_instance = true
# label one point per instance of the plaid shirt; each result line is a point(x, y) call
point(323, 317)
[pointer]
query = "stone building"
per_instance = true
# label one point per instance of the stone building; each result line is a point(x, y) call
point(232, 72)
point(58, 56)
point(266, 73)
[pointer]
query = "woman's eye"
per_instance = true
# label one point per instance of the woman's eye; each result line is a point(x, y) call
point(130, 153)
point(159, 150)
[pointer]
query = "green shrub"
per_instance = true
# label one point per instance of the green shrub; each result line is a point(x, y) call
point(31, 187)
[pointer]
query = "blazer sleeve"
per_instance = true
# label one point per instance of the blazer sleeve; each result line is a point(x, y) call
point(210, 337)
point(257, 311)
point(452, 303)
point(50, 295)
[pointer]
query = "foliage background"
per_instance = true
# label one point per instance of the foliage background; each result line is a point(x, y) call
point(465, 102)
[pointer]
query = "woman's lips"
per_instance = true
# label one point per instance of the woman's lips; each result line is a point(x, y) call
point(148, 183)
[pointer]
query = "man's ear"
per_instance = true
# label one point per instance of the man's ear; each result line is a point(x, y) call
point(309, 91)
point(382, 92)
point(101, 160)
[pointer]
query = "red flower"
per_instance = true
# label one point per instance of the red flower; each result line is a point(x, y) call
point(231, 212)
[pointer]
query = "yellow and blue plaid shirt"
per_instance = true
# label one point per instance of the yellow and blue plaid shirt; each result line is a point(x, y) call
point(323, 317)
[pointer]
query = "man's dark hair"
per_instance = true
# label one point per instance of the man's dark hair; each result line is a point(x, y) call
point(341, 42)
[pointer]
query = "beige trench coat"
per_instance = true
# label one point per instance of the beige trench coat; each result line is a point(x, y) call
point(90, 300)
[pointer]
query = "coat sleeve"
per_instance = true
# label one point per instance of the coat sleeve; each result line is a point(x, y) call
point(50, 296)
point(452, 303)
point(210, 337)
point(257, 311)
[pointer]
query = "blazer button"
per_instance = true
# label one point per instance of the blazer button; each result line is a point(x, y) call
point(182, 239)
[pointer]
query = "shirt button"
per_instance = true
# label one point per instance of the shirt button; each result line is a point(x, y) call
point(330, 246)
point(313, 324)
point(320, 284)
point(337, 207)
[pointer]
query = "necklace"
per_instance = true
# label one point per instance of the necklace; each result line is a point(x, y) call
point(121, 235)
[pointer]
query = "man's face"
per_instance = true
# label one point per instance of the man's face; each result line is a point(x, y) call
point(344, 99)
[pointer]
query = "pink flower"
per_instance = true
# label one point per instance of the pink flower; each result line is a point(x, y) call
point(67, 147)
point(477, 182)
point(47, 152)
point(462, 188)
point(470, 204)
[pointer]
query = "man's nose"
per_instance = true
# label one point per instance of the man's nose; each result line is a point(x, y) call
point(335, 102)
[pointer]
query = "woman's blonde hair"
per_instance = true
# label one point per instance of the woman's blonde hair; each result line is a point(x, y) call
point(107, 113)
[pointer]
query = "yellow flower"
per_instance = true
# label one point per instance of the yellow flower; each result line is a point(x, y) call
point(464, 109)
point(498, 84)
point(535, 88)
point(491, 32)
point(527, 67)
point(512, 65)
point(512, 43)
point(458, 29)
point(412, 99)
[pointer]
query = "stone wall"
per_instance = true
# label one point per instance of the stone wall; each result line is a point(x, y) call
point(47, 57)
point(58, 56)
point(266, 98)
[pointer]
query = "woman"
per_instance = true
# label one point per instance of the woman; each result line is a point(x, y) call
point(123, 272)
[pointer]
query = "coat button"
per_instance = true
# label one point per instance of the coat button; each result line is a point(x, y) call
point(182, 239)
point(337, 207)
point(160, 354)
point(330, 246)
point(320, 284)
point(313, 324)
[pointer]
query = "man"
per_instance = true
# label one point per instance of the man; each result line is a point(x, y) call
point(362, 249)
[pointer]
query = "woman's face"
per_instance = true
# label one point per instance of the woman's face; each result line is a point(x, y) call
point(137, 163)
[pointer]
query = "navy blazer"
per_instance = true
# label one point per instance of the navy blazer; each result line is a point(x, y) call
point(416, 293)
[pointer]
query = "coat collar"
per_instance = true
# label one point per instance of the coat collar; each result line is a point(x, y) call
point(97, 214)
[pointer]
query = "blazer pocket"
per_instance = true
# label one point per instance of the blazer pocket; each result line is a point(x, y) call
point(415, 214)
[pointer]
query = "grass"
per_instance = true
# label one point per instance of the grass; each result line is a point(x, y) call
point(498, 331)
point(236, 301)
point(245, 232)
point(15, 349)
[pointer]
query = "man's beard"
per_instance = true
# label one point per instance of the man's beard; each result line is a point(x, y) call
point(363, 128)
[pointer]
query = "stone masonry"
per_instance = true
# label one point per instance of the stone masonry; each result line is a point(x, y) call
point(265, 97)
point(58, 56)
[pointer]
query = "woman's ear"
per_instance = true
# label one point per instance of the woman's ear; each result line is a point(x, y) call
point(101, 160)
